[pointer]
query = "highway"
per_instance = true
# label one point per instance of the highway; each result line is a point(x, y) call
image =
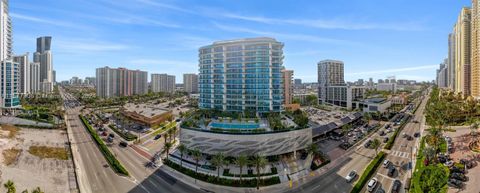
point(94, 174)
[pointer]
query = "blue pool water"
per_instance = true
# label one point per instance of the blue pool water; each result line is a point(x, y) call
point(235, 125)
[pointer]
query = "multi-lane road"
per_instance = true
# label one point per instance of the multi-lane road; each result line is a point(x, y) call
point(94, 174)
point(358, 157)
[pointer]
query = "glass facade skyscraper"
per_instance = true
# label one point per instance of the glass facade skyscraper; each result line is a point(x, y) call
point(242, 75)
point(10, 81)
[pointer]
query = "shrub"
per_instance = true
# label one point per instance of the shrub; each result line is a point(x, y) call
point(114, 163)
point(369, 171)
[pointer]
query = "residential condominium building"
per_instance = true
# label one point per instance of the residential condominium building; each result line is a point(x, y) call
point(442, 72)
point(43, 56)
point(288, 87)
point(451, 61)
point(163, 83)
point(475, 50)
point(242, 75)
point(5, 31)
point(115, 82)
point(462, 52)
point(24, 65)
point(9, 84)
point(332, 88)
point(34, 77)
point(190, 83)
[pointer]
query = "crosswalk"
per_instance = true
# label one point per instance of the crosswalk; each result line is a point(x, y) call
point(400, 154)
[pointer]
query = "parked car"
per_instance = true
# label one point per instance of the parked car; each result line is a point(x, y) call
point(455, 183)
point(404, 135)
point(396, 186)
point(449, 163)
point(457, 170)
point(381, 133)
point(372, 184)
point(380, 190)
point(467, 163)
point(459, 176)
point(385, 140)
point(104, 133)
point(110, 139)
point(123, 144)
point(386, 163)
point(416, 134)
point(391, 171)
point(367, 144)
point(111, 135)
point(157, 136)
point(351, 176)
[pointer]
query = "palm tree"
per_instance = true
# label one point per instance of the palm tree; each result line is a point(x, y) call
point(166, 136)
point(259, 162)
point(434, 136)
point(10, 186)
point(37, 190)
point(367, 117)
point(312, 148)
point(429, 153)
point(375, 145)
point(218, 161)
point(197, 156)
point(167, 147)
point(241, 161)
point(182, 148)
point(170, 134)
point(474, 128)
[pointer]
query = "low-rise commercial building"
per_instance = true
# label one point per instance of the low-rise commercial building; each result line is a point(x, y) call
point(146, 114)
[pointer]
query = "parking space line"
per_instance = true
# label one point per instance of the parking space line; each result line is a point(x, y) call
point(387, 177)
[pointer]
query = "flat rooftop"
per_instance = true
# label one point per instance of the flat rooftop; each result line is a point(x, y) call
point(146, 110)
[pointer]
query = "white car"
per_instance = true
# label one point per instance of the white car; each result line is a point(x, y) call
point(386, 163)
point(372, 184)
point(351, 176)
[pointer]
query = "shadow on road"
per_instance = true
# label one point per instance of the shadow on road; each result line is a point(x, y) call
point(160, 181)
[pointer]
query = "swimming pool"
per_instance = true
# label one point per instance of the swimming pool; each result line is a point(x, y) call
point(235, 125)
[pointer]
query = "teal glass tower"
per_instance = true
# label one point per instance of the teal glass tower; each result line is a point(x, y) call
point(242, 75)
point(10, 82)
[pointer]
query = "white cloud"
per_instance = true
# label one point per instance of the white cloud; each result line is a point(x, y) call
point(329, 24)
point(165, 6)
point(46, 21)
point(394, 70)
point(298, 37)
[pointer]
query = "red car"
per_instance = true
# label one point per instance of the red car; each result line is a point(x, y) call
point(104, 133)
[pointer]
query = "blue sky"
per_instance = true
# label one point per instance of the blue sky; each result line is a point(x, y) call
point(375, 38)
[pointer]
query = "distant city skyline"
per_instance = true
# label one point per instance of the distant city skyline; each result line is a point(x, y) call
point(164, 37)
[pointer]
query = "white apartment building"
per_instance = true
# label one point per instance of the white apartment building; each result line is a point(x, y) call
point(163, 83)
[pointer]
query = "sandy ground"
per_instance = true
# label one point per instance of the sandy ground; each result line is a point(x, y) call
point(29, 171)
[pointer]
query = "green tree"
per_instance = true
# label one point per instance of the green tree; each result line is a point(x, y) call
point(346, 128)
point(429, 153)
point(367, 117)
point(170, 134)
point(37, 190)
point(182, 148)
point(259, 162)
point(312, 149)
point(311, 100)
point(197, 156)
point(10, 186)
point(241, 161)
point(433, 179)
point(218, 161)
point(167, 147)
point(375, 145)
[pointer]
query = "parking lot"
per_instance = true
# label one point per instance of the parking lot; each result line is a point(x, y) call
point(28, 171)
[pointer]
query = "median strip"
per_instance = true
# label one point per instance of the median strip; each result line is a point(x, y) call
point(369, 171)
point(114, 163)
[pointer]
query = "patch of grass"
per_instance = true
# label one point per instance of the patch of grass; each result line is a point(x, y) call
point(49, 152)
point(12, 130)
point(10, 156)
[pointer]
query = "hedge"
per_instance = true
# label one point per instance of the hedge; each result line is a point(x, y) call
point(369, 171)
point(273, 171)
point(114, 163)
point(222, 181)
point(126, 136)
point(390, 141)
